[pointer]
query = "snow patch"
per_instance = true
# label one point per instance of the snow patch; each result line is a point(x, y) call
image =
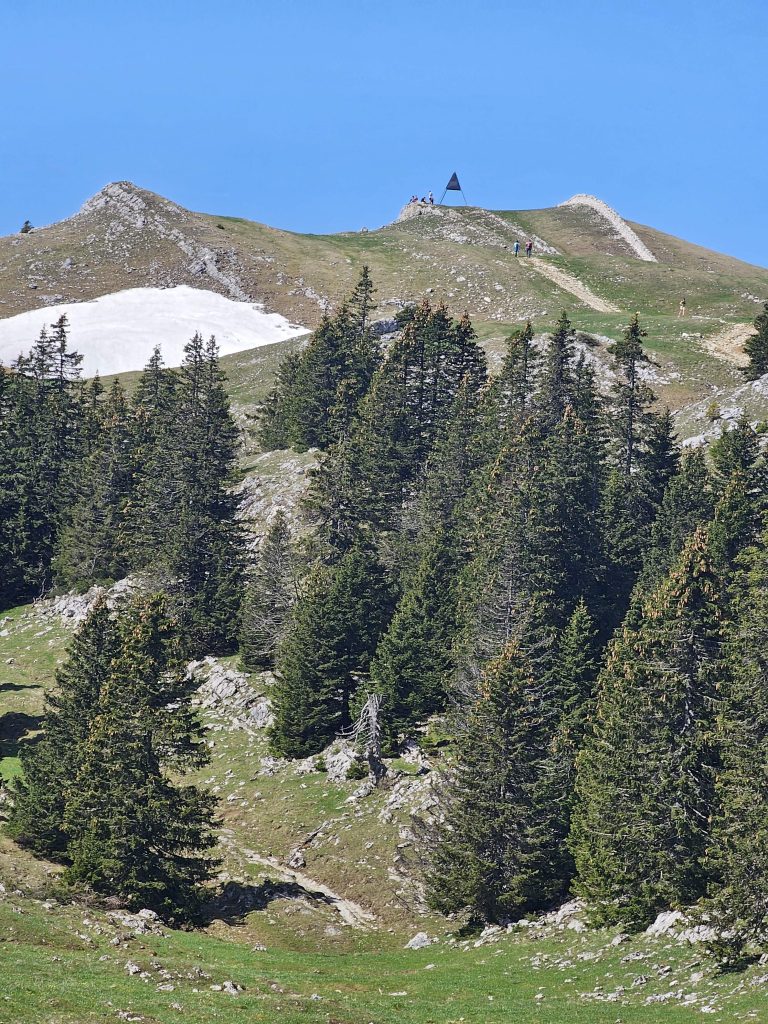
point(116, 333)
point(633, 240)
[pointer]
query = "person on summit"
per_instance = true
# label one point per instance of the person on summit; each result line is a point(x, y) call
point(516, 247)
point(528, 247)
point(431, 198)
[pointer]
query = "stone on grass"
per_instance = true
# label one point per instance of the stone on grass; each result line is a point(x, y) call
point(419, 941)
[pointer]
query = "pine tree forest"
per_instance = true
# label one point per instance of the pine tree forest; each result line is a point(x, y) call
point(526, 562)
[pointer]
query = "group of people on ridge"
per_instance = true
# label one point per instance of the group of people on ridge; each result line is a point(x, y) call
point(428, 199)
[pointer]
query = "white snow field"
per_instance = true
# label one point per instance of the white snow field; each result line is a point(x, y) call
point(117, 332)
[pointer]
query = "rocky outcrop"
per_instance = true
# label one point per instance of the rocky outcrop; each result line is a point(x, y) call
point(129, 207)
point(230, 695)
point(73, 608)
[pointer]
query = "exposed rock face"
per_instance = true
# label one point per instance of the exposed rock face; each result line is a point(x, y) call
point(230, 694)
point(278, 481)
point(73, 608)
point(130, 208)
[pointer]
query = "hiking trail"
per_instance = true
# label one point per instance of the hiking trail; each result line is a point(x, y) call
point(571, 284)
point(349, 911)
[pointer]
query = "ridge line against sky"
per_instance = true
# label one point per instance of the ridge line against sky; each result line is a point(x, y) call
point(326, 116)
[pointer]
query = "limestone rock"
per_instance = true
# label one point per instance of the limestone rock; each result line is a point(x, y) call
point(665, 923)
point(229, 693)
point(419, 941)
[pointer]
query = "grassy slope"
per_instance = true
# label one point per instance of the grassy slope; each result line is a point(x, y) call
point(58, 964)
point(463, 256)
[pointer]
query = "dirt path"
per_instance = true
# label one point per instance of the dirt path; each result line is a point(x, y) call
point(349, 911)
point(572, 284)
point(728, 344)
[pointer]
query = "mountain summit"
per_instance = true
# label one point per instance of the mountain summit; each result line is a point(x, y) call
point(584, 258)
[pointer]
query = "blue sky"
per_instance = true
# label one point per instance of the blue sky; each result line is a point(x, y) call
point(323, 115)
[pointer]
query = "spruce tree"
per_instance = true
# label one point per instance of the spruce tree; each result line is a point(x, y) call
point(276, 413)
point(43, 433)
point(328, 646)
point(740, 484)
point(93, 544)
point(183, 513)
point(737, 857)
point(134, 828)
point(406, 410)
point(51, 765)
point(499, 845)
point(574, 674)
point(644, 787)
point(660, 460)
point(414, 660)
point(688, 503)
point(318, 391)
point(556, 381)
point(270, 594)
point(632, 398)
point(756, 347)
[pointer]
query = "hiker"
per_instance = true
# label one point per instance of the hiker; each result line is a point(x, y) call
point(681, 311)
point(516, 247)
point(528, 247)
point(431, 198)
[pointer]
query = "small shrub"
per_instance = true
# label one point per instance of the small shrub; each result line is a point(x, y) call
point(358, 769)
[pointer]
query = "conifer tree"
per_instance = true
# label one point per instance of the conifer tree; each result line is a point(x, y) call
point(414, 659)
point(556, 382)
point(318, 391)
point(515, 382)
point(323, 367)
point(644, 783)
point(508, 397)
point(51, 765)
point(688, 503)
point(574, 674)
point(740, 484)
point(512, 565)
point(183, 512)
point(632, 397)
point(276, 414)
point(329, 643)
point(155, 469)
point(737, 857)
point(442, 497)
point(43, 432)
point(498, 850)
point(93, 544)
point(135, 830)
point(407, 409)
point(756, 347)
point(659, 461)
point(271, 592)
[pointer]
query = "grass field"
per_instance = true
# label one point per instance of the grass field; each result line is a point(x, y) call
point(59, 964)
point(294, 957)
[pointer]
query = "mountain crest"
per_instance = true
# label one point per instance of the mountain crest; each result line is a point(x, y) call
point(136, 206)
point(620, 226)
